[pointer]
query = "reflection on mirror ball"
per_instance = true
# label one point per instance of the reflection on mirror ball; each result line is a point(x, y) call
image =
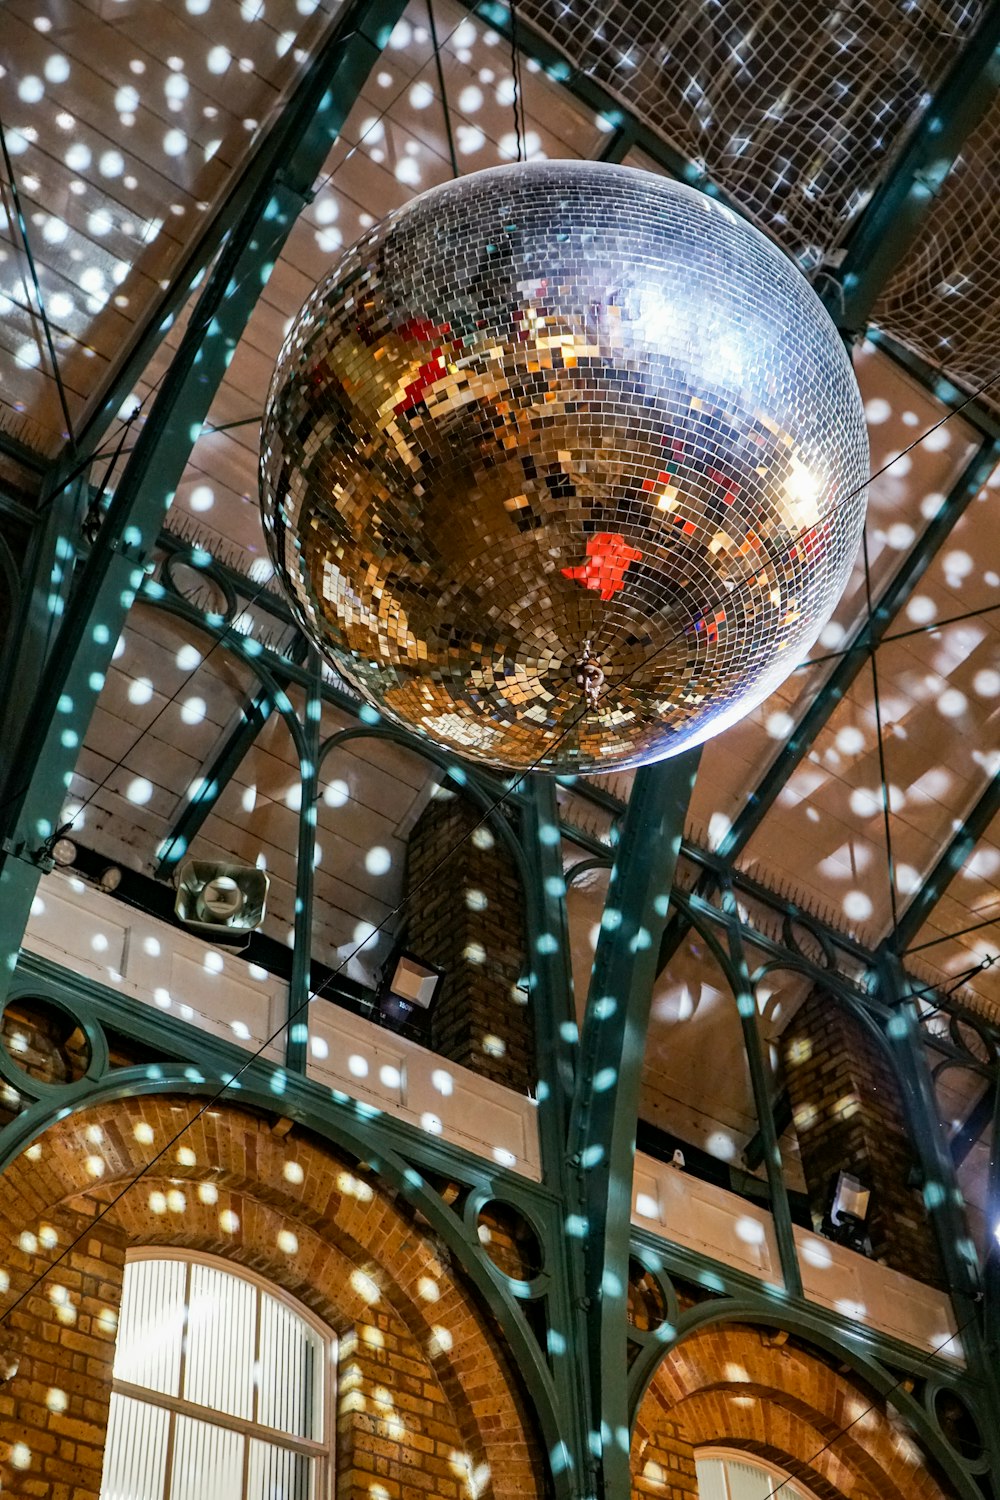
point(564, 464)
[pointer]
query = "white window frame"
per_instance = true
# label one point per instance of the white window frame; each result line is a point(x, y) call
point(320, 1449)
point(741, 1456)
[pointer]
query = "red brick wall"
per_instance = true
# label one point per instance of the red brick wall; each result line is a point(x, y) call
point(663, 1464)
point(424, 1396)
point(55, 1410)
point(848, 1115)
point(472, 925)
point(735, 1387)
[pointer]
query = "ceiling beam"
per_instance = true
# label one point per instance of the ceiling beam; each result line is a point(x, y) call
point(937, 383)
point(972, 1127)
point(630, 131)
point(781, 1112)
point(602, 1124)
point(218, 771)
point(879, 242)
point(888, 226)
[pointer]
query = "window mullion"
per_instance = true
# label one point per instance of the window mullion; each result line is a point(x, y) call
point(255, 1396)
point(245, 1481)
point(186, 1327)
point(255, 1388)
point(311, 1447)
point(168, 1462)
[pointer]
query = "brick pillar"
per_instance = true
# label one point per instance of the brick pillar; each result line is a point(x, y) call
point(665, 1467)
point(848, 1112)
point(469, 919)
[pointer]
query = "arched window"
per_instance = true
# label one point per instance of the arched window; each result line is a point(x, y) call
point(222, 1388)
point(732, 1476)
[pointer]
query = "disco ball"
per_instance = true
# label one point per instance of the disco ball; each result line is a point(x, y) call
point(563, 465)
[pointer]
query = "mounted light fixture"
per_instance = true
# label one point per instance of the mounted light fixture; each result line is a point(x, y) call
point(408, 983)
point(846, 1218)
point(64, 852)
point(220, 900)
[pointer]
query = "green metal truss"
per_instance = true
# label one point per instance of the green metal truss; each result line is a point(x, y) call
point(568, 1329)
point(875, 246)
point(857, 651)
point(580, 1326)
point(570, 1337)
point(278, 184)
point(200, 1066)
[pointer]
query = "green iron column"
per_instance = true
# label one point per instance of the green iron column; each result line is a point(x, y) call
point(762, 1085)
point(297, 1036)
point(553, 1012)
point(942, 1194)
point(605, 1107)
point(48, 572)
point(113, 572)
point(991, 1273)
point(550, 975)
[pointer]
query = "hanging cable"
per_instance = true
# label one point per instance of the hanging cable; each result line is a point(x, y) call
point(93, 520)
point(444, 92)
point(518, 93)
point(644, 662)
point(932, 1353)
point(105, 447)
point(120, 452)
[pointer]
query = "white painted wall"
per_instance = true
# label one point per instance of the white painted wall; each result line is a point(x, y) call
point(172, 971)
point(725, 1227)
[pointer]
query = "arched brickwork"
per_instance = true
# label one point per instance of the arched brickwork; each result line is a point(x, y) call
point(424, 1397)
point(735, 1386)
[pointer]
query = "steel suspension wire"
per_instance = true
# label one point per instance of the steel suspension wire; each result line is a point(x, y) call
point(948, 936)
point(444, 92)
point(116, 448)
point(896, 1385)
point(899, 635)
point(744, 583)
point(107, 445)
point(518, 88)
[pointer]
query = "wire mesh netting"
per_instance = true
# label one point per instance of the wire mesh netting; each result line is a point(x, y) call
point(945, 300)
point(794, 107)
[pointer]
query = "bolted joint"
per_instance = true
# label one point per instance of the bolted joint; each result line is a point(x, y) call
point(303, 196)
